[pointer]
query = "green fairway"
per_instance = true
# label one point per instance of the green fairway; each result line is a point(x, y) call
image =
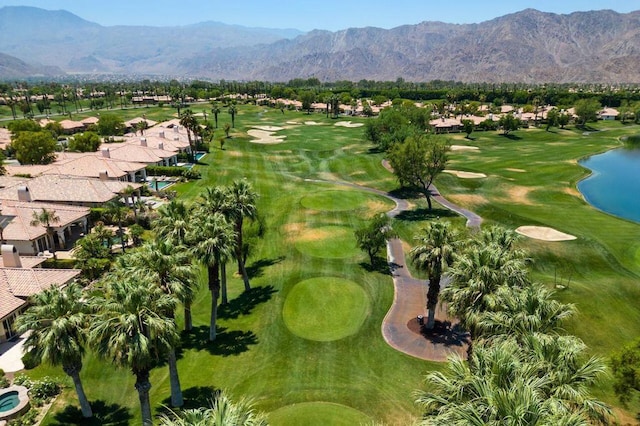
point(325, 309)
point(300, 337)
point(333, 242)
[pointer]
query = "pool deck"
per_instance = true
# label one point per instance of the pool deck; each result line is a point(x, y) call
point(11, 354)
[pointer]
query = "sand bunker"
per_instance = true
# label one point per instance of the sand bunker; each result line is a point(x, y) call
point(348, 124)
point(312, 123)
point(466, 175)
point(464, 148)
point(292, 122)
point(543, 233)
point(265, 136)
point(268, 128)
point(515, 170)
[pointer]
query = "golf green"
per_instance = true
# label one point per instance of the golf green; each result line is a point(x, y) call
point(325, 309)
point(331, 242)
point(318, 413)
point(335, 200)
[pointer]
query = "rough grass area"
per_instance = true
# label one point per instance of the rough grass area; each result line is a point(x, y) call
point(318, 414)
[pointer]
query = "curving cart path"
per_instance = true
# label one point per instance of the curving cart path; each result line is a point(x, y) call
point(400, 327)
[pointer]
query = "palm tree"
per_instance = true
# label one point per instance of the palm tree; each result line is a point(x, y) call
point(130, 329)
point(502, 384)
point(173, 221)
point(46, 218)
point(57, 320)
point(242, 203)
point(477, 275)
point(118, 213)
point(233, 111)
point(171, 270)
point(223, 412)
point(188, 120)
point(215, 110)
point(434, 254)
point(523, 312)
point(211, 239)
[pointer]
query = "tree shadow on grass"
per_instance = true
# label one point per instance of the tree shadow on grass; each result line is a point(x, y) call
point(424, 214)
point(228, 342)
point(406, 193)
point(511, 137)
point(195, 397)
point(245, 302)
point(103, 414)
point(380, 265)
point(255, 269)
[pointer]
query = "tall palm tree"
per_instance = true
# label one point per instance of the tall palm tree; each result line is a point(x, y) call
point(215, 110)
point(173, 221)
point(170, 268)
point(433, 254)
point(223, 412)
point(131, 330)
point(233, 111)
point(189, 122)
point(242, 201)
point(211, 239)
point(57, 320)
point(117, 211)
point(47, 218)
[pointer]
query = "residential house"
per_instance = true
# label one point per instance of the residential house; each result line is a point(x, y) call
point(609, 114)
point(20, 278)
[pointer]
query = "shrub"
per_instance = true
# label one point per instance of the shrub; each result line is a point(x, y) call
point(4, 382)
point(45, 389)
point(27, 419)
point(191, 174)
point(30, 361)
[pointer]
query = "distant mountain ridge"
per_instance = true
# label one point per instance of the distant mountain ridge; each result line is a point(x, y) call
point(527, 46)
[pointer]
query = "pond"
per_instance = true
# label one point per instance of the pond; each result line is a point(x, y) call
point(614, 185)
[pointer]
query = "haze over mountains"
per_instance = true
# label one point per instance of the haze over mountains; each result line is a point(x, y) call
point(528, 46)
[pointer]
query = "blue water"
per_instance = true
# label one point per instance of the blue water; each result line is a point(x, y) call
point(9, 401)
point(199, 155)
point(160, 185)
point(614, 185)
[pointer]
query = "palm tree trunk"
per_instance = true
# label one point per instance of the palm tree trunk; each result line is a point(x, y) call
point(174, 379)
point(223, 281)
point(432, 300)
point(188, 321)
point(143, 386)
point(241, 268)
point(74, 373)
point(214, 288)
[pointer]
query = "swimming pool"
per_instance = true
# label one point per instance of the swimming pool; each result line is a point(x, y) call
point(159, 185)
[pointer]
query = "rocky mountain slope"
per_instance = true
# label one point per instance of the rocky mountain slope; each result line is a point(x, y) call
point(528, 46)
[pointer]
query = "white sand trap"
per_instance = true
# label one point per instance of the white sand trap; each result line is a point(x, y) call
point(464, 148)
point(466, 175)
point(348, 124)
point(265, 137)
point(543, 233)
point(292, 122)
point(312, 123)
point(516, 170)
point(268, 128)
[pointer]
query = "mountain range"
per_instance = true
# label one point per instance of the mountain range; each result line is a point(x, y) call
point(528, 46)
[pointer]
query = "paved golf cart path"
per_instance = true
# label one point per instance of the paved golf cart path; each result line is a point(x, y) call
point(400, 327)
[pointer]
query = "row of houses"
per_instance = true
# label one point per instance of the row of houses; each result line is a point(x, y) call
point(70, 186)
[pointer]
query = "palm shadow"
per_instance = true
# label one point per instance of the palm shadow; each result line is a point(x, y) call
point(227, 343)
point(194, 397)
point(424, 214)
point(255, 269)
point(443, 333)
point(245, 302)
point(511, 137)
point(103, 414)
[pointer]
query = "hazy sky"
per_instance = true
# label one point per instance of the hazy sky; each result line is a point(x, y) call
point(309, 14)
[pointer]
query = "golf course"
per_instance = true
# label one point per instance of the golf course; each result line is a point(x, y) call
point(305, 343)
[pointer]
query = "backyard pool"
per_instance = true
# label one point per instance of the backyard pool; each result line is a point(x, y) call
point(199, 155)
point(159, 185)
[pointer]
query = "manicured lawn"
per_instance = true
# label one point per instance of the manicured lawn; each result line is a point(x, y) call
point(352, 373)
